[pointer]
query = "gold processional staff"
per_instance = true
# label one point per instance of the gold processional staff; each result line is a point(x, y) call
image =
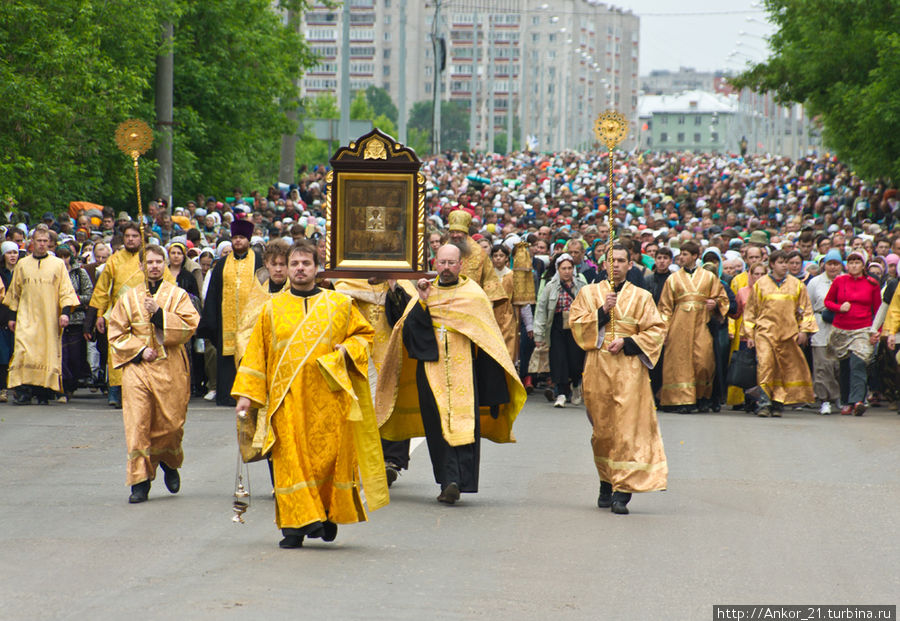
point(611, 127)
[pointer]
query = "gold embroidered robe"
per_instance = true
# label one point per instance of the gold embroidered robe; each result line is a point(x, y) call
point(155, 394)
point(628, 448)
point(122, 272)
point(318, 421)
point(689, 365)
point(772, 318)
point(466, 316)
point(507, 316)
point(369, 299)
point(38, 291)
point(257, 295)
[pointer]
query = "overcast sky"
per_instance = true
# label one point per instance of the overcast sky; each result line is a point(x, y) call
point(698, 33)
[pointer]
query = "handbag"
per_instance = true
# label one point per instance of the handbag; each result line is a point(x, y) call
point(246, 431)
point(742, 369)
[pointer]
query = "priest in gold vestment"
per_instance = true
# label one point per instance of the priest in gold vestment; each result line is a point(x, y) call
point(40, 297)
point(307, 364)
point(382, 303)
point(476, 264)
point(228, 298)
point(148, 328)
point(778, 320)
point(689, 298)
point(627, 446)
point(448, 376)
point(122, 272)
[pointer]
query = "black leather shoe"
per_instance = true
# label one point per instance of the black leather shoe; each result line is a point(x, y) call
point(21, 400)
point(604, 501)
point(291, 541)
point(450, 494)
point(619, 508)
point(329, 531)
point(139, 492)
point(391, 472)
point(171, 478)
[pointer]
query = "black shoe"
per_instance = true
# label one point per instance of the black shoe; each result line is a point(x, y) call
point(551, 396)
point(43, 402)
point(171, 478)
point(391, 472)
point(604, 501)
point(139, 492)
point(17, 400)
point(291, 541)
point(619, 508)
point(450, 494)
point(684, 409)
point(329, 531)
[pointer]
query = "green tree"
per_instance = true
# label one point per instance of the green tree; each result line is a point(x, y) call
point(454, 124)
point(842, 60)
point(383, 123)
point(68, 76)
point(322, 106)
point(381, 102)
point(71, 71)
point(360, 110)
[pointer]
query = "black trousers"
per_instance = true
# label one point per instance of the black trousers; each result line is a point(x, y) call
point(225, 374)
point(566, 358)
point(451, 464)
point(396, 452)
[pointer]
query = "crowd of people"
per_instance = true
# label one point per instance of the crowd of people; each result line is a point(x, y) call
point(790, 266)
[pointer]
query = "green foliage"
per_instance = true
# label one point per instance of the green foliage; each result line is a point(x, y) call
point(322, 106)
point(72, 70)
point(418, 140)
point(360, 110)
point(383, 123)
point(454, 124)
point(381, 102)
point(840, 58)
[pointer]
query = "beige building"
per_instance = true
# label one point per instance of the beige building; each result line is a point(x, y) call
point(555, 64)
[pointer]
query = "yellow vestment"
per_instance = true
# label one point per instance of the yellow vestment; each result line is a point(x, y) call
point(689, 364)
point(627, 446)
point(462, 315)
point(238, 284)
point(38, 291)
point(369, 299)
point(319, 423)
point(773, 317)
point(121, 273)
point(155, 394)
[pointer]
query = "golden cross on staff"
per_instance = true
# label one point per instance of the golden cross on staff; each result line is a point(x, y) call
point(611, 127)
point(134, 137)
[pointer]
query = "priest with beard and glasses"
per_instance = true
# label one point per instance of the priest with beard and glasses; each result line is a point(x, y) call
point(448, 375)
point(305, 372)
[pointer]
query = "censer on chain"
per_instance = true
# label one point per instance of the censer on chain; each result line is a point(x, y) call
point(241, 484)
point(610, 128)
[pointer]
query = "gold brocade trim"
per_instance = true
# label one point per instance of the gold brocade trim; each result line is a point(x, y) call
point(329, 182)
point(423, 259)
point(795, 384)
point(780, 296)
point(685, 384)
point(236, 277)
point(630, 465)
point(253, 372)
point(314, 483)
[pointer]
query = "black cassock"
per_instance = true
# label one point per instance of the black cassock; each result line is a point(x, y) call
point(452, 464)
point(211, 328)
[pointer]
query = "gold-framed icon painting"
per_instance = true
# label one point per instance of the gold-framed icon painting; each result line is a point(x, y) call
point(375, 210)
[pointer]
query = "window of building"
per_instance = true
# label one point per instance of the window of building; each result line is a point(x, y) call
point(698, 120)
point(387, 53)
point(663, 119)
point(362, 34)
point(387, 19)
point(681, 119)
point(680, 137)
point(715, 136)
point(386, 70)
point(696, 138)
point(664, 137)
point(387, 36)
point(362, 50)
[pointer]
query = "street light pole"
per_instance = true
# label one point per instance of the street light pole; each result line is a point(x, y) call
point(438, 56)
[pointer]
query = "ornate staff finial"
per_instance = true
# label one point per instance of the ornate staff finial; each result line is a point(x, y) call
point(134, 137)
point(611, 127)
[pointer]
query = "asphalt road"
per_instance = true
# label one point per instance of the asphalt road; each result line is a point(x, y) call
point(798, 510)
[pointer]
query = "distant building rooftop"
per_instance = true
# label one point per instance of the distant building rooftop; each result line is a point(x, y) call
point(690, 102)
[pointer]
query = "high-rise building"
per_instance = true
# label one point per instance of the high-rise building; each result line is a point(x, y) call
point(543, 69)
